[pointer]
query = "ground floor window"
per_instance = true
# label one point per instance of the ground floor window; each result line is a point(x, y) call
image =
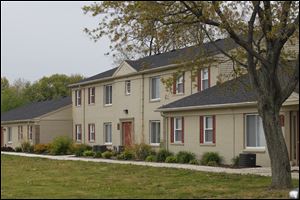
point(107, 133)
point(178, 130)
point(78, 132)
point(91, 132)
point(154, 132)
point(20, 133)
point(30, 132)
point(255, 136)
point(9, 133)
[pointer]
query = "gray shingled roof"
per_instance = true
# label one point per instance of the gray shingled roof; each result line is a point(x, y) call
point(172, 57)
point(34, 110)
point(237, 90)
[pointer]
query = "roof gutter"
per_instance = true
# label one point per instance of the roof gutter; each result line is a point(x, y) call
point(227, 105)
point(17, 121)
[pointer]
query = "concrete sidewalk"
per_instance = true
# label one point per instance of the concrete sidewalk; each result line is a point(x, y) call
point(263, 171)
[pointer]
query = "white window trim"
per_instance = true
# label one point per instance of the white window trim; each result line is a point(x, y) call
point(105, 124)
point(151, 79)
point(205, 128)
point(126, 87)
point(30, 133)
point(9, 132)
point(177, 83)
point(154, 121)
point(174, 122)
point(78, 130)
point(107, 104)
point(245, 135)
point(77, 97)
point(92, 95)
point(90, 132)
point(204, 79)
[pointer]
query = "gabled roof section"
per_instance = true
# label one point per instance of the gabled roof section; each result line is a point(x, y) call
point(33, 110)
point(124, 69)
point(235, 91)
point(169, 58)
point(182, 55)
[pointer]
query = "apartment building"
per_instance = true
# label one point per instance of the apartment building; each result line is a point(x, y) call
point(117, 107)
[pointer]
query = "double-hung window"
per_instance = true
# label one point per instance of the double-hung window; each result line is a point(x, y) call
point(178, 130)
point(91, 93)
point(255, 137)
point(127, 87)
point(204, 79)
point(208, 129)
point(20, 133)
point(78, 132)
point(155, 88)
point(180, 84)
point(91, 132)
point(77, 97)
point(108, 94)
point(9, 139)
point(30, 132)
point(108, 133)
point(154, 132)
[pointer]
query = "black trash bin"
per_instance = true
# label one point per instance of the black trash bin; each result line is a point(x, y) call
point(247, 160)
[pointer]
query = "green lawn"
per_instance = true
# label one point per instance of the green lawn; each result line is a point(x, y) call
point(23, 177)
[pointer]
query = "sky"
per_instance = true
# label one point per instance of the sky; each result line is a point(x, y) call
point(44, 38)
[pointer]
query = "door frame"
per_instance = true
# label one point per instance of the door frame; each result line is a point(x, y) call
point(122, 138)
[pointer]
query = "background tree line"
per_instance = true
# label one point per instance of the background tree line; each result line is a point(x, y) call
point(22, 92)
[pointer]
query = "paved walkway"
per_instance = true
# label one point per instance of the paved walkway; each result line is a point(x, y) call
point(263, 171)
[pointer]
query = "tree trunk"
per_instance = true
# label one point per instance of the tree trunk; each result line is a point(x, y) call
point(280, 164)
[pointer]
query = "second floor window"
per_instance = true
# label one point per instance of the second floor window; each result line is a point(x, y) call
point(91, 93)
point(77, 97)
point(108, 94)
point(127, 87)
point(179, 85)
point(155, 88)
point(203, 79)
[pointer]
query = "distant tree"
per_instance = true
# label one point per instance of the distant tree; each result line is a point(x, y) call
point(4, 83)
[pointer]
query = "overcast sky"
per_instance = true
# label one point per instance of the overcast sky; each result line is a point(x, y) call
point(44, 38)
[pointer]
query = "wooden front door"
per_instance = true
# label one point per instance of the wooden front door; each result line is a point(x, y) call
point(127, 133)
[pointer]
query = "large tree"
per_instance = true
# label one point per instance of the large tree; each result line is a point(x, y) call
point(260, 28)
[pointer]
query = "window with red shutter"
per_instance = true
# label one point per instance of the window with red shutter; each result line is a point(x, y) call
point(172, 129)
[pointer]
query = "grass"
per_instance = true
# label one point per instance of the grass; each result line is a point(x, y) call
point(23, 177)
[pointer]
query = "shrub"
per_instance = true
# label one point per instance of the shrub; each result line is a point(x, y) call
point(185, 157)
point(78, 149)
point(194, 162)
point(107, 154)
point(7, 149)
point(128, 154)
point(98, 155)
point(27, 147)
point(210, 156)
point(212, 163)
point(162, 154)
point(171, 159)
point(120, 156)
point(18, 149)
point(88, 153)
point(235, 161)
point(41, 148)
point(141, 151)
point(151, 158)
point(61, 145)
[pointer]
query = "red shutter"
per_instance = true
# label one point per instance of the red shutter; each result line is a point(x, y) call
point(201, 129)
point(174, 86)
point(183, 82)
point(214, 129)
point(199, 80)
point(281, 117)
point(182, 129)
point(172, 129)
point(89, 132)
point(209, 77)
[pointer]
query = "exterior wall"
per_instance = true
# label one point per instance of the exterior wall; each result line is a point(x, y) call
point(230, 133)
point(58, 123)
point(14, 129)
